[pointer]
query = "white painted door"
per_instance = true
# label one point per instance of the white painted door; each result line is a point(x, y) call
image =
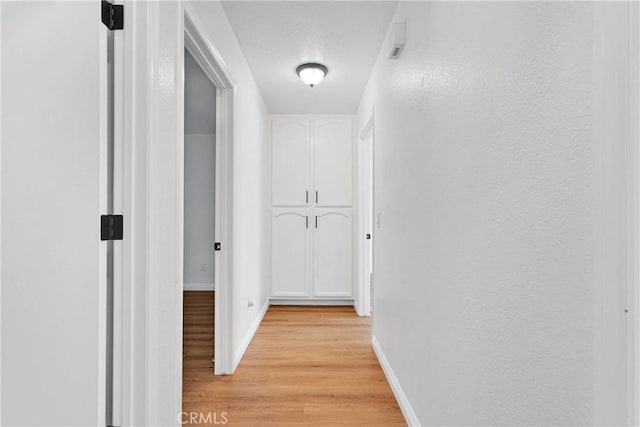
point(290, 162)
point(290, 253)
point(366, 229)
point(332, 253)
point(53, 187)
point(333, 162)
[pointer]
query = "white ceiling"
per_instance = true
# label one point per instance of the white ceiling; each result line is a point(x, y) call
point(199, 98)
point(277, 36)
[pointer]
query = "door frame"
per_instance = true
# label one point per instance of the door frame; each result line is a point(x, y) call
point(634, 289)
point(616, 380)
point(0, 219)
point(365, 137)
point(210, 60)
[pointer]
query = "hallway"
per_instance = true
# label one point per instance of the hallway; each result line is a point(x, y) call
point(307, 366)
point(320, 213)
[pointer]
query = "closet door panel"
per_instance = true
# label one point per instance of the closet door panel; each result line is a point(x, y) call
point(333, 254)
point(290, 162)
point(334, 162)
point(290, 254)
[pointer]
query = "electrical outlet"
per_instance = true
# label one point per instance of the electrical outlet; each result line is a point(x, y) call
point(203, 267)
point(250, 303)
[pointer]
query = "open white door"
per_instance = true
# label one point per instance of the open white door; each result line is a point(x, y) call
point(367, 209)
point(365, 237)
point(54, 188)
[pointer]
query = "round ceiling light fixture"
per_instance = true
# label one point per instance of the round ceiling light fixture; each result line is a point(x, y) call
point(311, 73)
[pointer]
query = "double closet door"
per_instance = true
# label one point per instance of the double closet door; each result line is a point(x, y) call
point(312, 192)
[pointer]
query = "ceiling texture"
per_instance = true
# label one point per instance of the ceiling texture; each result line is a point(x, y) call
point(277, 36)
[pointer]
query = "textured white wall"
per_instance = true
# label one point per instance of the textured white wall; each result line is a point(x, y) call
point(199, 210)
point(485, 167)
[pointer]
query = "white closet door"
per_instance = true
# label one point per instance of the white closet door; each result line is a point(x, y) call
point(333, 256)
point(54, 139)
point(290, 253)
point(334, 162)
point(290, 162)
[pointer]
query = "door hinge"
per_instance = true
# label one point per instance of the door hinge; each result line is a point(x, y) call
point(111, 227)
point(217, 246)
point(112, 15)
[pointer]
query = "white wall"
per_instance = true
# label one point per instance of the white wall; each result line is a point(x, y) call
point(199, 211)
point(165, 159)
point(502, 212)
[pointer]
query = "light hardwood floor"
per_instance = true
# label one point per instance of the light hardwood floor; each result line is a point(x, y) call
point(306, 366)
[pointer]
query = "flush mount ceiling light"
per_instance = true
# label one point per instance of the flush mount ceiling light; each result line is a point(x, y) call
point(311, 73)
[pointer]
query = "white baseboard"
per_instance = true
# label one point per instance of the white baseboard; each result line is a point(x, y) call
point(246, 340)
point(308, 301)
point(409, 415)
point(199, 287)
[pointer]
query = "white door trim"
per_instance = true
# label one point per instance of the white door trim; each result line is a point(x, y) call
point(634, 291)
point(209, 59)
point(0, 220)
point(118, 248)
point(617, 190)
point(365, 137)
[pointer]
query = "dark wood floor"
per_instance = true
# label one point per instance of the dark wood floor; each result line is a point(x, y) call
point(306, 366)
point(197, 332)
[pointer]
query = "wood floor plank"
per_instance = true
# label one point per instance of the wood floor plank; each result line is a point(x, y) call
point(306, 366)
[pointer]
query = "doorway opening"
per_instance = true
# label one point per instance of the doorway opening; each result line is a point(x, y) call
point(207, 207)
point(365, 238)
point(199, 219)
